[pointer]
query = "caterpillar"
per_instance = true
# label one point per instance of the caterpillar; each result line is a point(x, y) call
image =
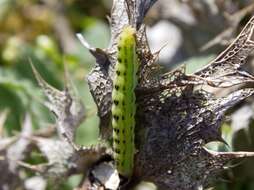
point(124, 105)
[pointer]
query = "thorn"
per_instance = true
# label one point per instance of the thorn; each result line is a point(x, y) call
point(240, 154)
point(83, 41)
point(35, 168)
point(234, 165)
point(74, 146)
point(220, 139)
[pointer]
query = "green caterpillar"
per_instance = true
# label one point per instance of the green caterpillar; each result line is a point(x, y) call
point(124, 105)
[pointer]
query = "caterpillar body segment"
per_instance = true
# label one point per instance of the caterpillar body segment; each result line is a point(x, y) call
point(124, 105)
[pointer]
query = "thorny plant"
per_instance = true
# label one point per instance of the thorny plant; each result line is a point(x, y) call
point(174, 118)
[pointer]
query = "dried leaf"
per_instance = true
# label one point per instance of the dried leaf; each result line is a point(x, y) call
point(220, 71)
point(66, 106)
point(17, 150)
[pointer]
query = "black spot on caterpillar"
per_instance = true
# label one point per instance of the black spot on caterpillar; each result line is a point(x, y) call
point(116, 102)
point(116, 117)
point(116, 87)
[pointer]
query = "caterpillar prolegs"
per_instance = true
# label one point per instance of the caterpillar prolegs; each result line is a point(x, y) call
point(124, 105)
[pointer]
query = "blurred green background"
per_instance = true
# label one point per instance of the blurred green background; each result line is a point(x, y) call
point(44, 32)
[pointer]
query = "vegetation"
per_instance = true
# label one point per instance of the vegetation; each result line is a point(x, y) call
point(42, 33)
